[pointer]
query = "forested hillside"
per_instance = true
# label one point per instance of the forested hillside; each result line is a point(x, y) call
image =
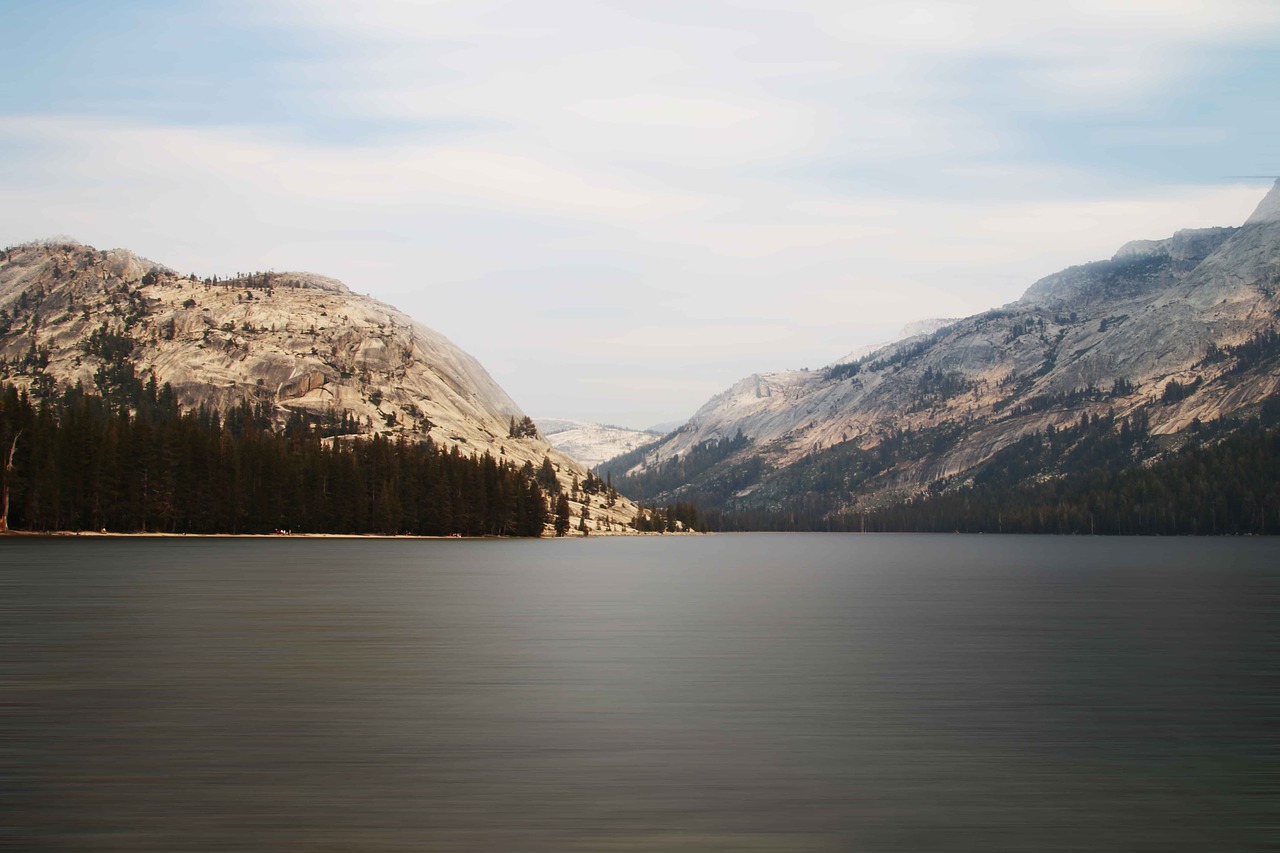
point(87, 462)
point(1225, 479)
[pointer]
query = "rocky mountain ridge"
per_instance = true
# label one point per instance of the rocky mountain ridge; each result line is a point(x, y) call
point(914, 329)
point(296, 343)
point(1112, 336)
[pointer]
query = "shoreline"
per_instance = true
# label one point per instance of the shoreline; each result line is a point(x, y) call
point(97, 534)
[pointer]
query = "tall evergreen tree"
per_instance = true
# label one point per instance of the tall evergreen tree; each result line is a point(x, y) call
point(562, 516)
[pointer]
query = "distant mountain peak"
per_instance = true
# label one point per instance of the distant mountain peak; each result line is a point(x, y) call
point(592, 443)
point(910, 330)
point(1268, 209)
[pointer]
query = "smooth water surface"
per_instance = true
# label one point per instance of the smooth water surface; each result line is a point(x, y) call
point(749, 692)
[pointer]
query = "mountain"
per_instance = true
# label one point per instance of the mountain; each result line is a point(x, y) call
point(592, 443)
point(298, 344)
point(664, 427)
point(911, 330)
point(1166, 335)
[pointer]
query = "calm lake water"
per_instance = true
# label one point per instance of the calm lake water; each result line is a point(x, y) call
point(753, 692)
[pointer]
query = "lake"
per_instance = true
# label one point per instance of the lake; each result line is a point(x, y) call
point(734, 692)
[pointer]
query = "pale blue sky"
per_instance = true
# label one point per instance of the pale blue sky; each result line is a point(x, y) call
point(622, 207)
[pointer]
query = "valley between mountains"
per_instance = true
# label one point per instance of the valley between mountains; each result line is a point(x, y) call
point(1170, 347)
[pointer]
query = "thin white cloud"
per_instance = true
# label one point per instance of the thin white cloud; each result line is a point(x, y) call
point(779, 280)
point(1094, 47)
point(584, 194)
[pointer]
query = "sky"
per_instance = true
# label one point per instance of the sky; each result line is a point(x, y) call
point(621, 207)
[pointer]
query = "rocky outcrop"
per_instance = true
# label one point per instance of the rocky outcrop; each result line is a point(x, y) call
point(1268, 211)
point(1192, 244)
point(292, 342)
point(1139, 267)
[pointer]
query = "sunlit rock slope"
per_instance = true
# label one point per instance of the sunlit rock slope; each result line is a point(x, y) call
point(1103, 337)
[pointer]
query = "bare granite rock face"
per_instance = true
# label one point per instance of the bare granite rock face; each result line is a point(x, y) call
point(1102, 337)
point(292, 341)
point(1190, 244)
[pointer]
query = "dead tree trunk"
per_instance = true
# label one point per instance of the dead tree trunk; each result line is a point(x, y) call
point(8, 473)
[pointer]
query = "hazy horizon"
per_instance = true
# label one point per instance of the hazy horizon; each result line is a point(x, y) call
point(622, 208)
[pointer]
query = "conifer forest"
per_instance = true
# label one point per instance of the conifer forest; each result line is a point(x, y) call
point(81, 461)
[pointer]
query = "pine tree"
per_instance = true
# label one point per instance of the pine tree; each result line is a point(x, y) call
point(562, 516)
point(547, 477)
